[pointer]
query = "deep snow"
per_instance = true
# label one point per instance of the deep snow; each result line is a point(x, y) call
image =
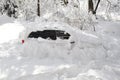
point(94, 56)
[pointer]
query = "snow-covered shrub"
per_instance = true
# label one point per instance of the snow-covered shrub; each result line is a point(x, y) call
point(27, 9)
point(109, 9)
point(9, 8)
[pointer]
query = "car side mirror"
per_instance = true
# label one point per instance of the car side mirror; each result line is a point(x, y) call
point(72, 42)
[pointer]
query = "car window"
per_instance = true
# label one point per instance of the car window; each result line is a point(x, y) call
point(51, 34)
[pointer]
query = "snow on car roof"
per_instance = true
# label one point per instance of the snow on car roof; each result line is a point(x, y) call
point(47, 25)
point(40, 26)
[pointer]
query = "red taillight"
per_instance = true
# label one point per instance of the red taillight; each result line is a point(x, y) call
point(23, 41)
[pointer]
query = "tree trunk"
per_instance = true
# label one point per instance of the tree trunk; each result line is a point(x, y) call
point(97, 6)
point(65, 2)
point(38, 8)
point(90, 6)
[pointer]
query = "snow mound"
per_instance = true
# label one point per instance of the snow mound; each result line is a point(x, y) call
point(10, 31)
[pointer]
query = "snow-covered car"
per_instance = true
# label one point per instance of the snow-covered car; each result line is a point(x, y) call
point(45, 40)
point(49, 34)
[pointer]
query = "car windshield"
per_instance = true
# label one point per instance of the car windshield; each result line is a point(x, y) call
point(51, 34)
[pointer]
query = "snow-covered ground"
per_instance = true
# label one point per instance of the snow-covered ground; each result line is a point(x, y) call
point(94, 56)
